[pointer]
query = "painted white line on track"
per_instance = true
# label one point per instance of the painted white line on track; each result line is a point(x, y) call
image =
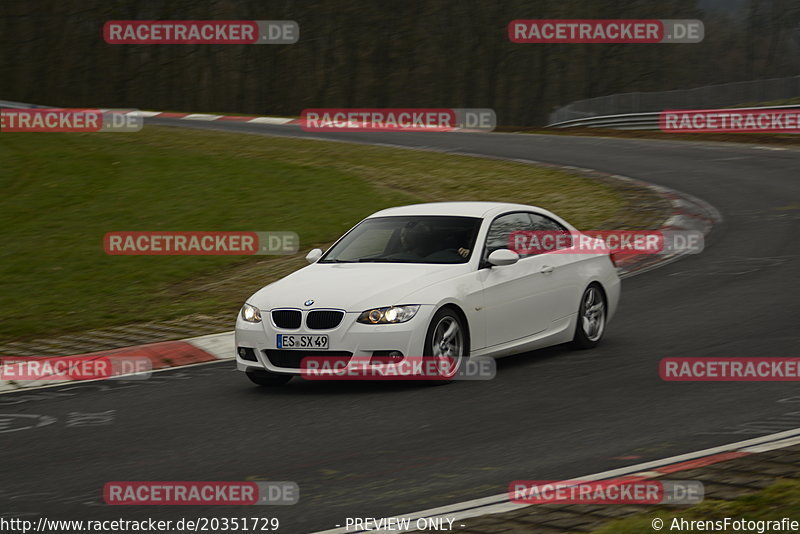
point(200, 117)
point(270, 120)
point(496, 504)
point(788, 442)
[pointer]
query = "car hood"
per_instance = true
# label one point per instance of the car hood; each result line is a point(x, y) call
point(353, 287)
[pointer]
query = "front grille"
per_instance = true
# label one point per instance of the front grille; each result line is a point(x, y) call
point(289, 319)
point(324, 319)
point(291, 359)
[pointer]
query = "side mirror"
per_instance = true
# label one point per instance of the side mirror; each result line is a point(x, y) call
point(314, 255)
point(503, 256)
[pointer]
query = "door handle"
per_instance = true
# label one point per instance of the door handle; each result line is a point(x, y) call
point(546, 269)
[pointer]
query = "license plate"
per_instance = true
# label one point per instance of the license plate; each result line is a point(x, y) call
point(292, 341)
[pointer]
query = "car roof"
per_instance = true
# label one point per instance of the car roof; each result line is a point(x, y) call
point(463, 209)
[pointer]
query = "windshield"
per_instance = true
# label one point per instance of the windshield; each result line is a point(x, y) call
point(410, 239)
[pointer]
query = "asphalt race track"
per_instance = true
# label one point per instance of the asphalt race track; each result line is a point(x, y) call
point(380, 449)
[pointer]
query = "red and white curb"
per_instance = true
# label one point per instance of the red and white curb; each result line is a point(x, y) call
point(497, 504)
point(164, 355)
point(267, 120)
point(689, 213)
point(208, 117)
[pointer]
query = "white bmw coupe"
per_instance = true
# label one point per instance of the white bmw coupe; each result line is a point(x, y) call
point(434, 280)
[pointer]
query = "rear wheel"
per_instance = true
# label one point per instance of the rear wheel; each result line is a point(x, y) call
point(265, 378)
point(592, 314)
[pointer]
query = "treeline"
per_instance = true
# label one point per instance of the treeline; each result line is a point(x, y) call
point(380, 53)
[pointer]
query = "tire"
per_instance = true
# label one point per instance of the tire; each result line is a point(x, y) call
point(265, 378)
point(592, 315)
point(456, 347)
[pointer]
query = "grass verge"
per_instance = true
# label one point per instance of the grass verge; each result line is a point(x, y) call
point(63, 192)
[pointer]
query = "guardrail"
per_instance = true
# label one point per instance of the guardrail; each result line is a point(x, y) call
point(635, 121)
point(725, 95)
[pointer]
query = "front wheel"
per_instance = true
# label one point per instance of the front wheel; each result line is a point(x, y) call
point(265, 378)
point(447, 342)
point(592, 314)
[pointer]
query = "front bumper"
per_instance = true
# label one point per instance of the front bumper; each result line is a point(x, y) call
point(361, 340)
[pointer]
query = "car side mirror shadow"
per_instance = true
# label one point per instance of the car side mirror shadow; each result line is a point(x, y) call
point(502, 256)
point(314, 255)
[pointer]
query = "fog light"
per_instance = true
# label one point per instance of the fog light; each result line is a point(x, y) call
point(246, 353)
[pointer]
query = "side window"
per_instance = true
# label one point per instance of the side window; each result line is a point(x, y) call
point(501, 229)
point(542, 223)
point(546, 226)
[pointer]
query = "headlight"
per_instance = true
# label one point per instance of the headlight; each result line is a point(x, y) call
point(391, 314)
point(251, 314)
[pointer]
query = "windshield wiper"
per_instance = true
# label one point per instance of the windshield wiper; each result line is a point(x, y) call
point(383, 260)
